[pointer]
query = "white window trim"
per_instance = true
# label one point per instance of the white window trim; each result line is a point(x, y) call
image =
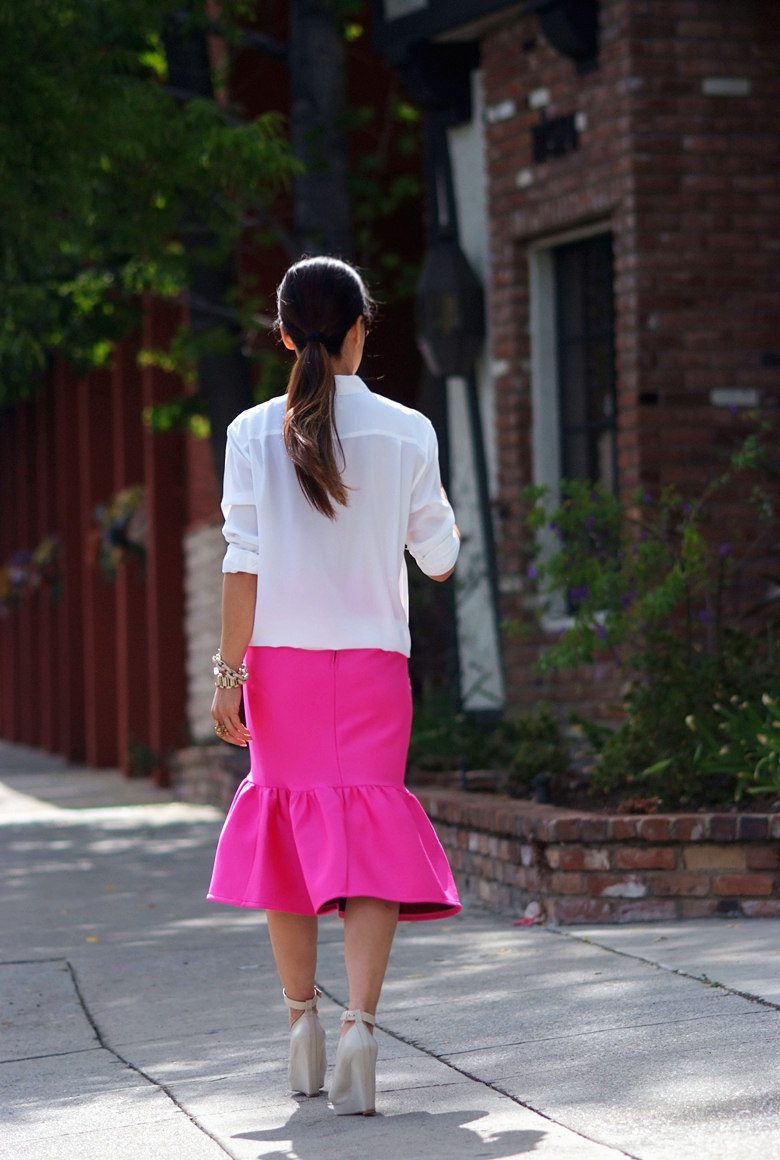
point(545, 411)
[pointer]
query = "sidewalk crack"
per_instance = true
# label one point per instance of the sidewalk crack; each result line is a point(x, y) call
point(102, 1041)
point(494, 1087)
point(610, 1030)
point(681, 971)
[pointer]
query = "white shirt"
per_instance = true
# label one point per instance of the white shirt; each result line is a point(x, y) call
point(334, 584)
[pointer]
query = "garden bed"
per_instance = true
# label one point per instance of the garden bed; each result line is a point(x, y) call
point(588, 867)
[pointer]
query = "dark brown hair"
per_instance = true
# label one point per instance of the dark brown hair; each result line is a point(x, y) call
point(319, 300)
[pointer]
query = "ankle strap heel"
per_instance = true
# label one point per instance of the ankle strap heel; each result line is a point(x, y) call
point(306, 1073)
point(303, 1004)
point(358, 1017)
point(353, 1090)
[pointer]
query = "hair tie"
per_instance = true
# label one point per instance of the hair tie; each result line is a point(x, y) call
point(315, 336)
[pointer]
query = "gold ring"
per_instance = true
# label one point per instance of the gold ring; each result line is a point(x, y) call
point(219, 729)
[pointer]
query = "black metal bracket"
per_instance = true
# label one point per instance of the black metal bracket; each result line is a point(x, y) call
point(571, 27)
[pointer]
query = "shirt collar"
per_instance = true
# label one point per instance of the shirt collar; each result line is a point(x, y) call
point(349, 385)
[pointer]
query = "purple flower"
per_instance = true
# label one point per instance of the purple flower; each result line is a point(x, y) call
point(705, 616)
point(601, 631)
point(578, 592)
point(627, 599)
point(533, 572)
point(19, 567)
point(590, 523)
point(724, 550)
point(733, 410)
point(554, 527)
point(647, 499)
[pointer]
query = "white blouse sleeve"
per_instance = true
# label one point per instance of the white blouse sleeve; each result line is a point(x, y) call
point(431, 535)
point(239, 510)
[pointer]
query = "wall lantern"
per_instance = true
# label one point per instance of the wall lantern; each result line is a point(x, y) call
point(571, 27)
point(449, 310)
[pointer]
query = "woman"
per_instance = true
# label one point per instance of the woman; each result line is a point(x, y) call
point(323, 489)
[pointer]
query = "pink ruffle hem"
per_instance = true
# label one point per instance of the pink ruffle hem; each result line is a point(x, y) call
point(324, 815)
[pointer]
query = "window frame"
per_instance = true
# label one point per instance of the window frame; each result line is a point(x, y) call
point(546, 426)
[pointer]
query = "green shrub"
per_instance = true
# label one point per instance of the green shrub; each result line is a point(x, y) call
point(538, 748)
point(647, 583)
point(654, 749)
point(445, 739)
point(745, 745)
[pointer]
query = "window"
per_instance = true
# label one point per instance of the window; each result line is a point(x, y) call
point(574, 420)
point(573, 361)
point(585, 328)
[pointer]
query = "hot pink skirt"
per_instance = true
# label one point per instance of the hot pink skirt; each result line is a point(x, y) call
point(324, 814)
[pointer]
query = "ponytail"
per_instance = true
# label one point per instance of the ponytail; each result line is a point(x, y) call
point(310, 434)
point(319, 300)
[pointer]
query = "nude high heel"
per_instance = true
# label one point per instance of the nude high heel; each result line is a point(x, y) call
point(353, 1089)
point(307, 1046)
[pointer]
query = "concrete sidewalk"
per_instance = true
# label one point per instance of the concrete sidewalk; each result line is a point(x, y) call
point(140, 1022)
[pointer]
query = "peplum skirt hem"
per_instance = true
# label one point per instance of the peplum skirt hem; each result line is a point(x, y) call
point(324, 815)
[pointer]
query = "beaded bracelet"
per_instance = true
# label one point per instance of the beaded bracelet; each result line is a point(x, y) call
point(224, 676)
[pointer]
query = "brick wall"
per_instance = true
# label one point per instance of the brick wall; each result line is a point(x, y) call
point(528, 202)
point(678, 158)
point(592, 868)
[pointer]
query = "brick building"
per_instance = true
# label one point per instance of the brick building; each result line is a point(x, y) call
point(625, 227)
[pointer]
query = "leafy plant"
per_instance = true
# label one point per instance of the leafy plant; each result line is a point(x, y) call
point(622, 572)
point(653, 750)
point(648, 583)
point(745, 746)
point(537, 748)
point(445, 739)
point(110, 178)
point(520, 748)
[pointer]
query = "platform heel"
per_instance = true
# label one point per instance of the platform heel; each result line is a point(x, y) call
point(307, 1046)
point(353, 1089)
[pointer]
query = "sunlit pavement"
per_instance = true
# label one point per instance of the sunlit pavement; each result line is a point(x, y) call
point(140, 1022)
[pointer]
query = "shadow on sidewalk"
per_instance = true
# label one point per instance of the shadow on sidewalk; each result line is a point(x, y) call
point(455, 1135)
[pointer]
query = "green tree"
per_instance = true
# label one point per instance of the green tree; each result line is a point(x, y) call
point(120, 175)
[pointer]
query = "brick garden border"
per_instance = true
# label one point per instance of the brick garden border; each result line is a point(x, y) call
point(602, 868)
point(579, 867)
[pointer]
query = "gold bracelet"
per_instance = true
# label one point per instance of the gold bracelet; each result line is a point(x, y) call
point(224, 676)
